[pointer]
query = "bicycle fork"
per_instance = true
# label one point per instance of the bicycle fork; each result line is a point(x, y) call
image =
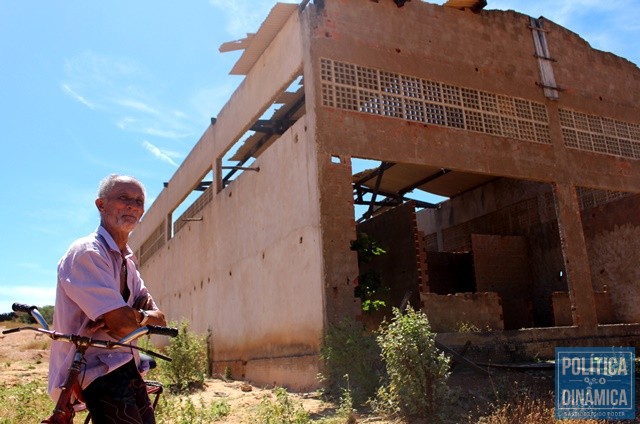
point(63, 412)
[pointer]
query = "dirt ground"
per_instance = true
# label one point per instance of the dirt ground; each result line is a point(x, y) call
point(24, 357)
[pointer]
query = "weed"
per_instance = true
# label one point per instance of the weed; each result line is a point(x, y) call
point(26, 402)
point(467, 327)
point(283, 410)
point(183, 410)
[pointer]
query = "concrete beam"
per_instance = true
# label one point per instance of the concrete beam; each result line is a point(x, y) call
point(574, 249)
point(272, 73)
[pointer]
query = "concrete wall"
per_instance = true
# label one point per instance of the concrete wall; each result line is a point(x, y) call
point(535, 344)
point(251, 270)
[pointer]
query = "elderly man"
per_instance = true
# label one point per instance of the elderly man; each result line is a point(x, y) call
point(100, 294)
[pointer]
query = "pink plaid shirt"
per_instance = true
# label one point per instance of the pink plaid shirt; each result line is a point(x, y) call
point(88, 287)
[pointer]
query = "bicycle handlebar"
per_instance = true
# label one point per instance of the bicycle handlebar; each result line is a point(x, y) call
point(33, 311)
point(163, 331)
point(20, 307)
point(88, 341)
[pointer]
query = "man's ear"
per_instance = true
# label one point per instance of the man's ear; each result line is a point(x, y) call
point(99, 204)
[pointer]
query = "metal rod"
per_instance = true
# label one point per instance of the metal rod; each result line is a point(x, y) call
point(241, 168)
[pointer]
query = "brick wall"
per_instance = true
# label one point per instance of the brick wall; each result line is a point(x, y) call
point(401, 267)
point(502, 265)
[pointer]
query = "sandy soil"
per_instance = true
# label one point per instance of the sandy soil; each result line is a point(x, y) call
point(24, 357)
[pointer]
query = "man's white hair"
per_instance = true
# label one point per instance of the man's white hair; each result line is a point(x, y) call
point(109, 181)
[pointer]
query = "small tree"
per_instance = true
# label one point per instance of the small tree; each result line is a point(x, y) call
point(417, 371)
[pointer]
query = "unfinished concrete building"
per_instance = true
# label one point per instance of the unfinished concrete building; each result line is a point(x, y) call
point(531, 137)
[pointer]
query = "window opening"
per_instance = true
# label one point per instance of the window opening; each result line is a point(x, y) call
point(274, 121)
point(371, 198)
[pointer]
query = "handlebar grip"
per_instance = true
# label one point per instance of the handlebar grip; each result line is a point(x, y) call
point(163, 331)
point(20, 307)
point(10, 330)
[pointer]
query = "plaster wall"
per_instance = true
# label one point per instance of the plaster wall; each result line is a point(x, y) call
point(251, 270)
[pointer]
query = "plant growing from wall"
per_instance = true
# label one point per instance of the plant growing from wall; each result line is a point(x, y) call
point(370, 284)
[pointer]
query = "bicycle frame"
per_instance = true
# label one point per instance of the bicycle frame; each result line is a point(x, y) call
point(64, 410)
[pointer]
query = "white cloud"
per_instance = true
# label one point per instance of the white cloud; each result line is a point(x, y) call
point(69, 91)
point(136, 105)
point(125, 122)
point(163, 155)
point(31, 295)
point(164, 133)
point(128, 93)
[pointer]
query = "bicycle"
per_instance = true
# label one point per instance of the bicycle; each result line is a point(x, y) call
point(65, 408)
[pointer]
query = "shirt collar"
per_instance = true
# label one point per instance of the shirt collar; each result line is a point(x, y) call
point(111, 243)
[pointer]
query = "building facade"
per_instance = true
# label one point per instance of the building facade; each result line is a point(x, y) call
point(489, 109)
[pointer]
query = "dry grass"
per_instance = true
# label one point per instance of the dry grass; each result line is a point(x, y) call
point(504, 398)
point(527, 410)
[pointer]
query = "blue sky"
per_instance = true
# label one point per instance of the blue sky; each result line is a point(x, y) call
point(92, 88)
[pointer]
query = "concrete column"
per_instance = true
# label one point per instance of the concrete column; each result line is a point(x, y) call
point(574, 251)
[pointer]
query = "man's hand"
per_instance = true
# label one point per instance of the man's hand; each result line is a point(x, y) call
point(97, 325)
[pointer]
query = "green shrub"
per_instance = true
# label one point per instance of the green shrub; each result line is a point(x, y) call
point(26, 318)
point(283, 410)
point(417, 371)
point(47, 313)
point(351, 360)
point(189, 365)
